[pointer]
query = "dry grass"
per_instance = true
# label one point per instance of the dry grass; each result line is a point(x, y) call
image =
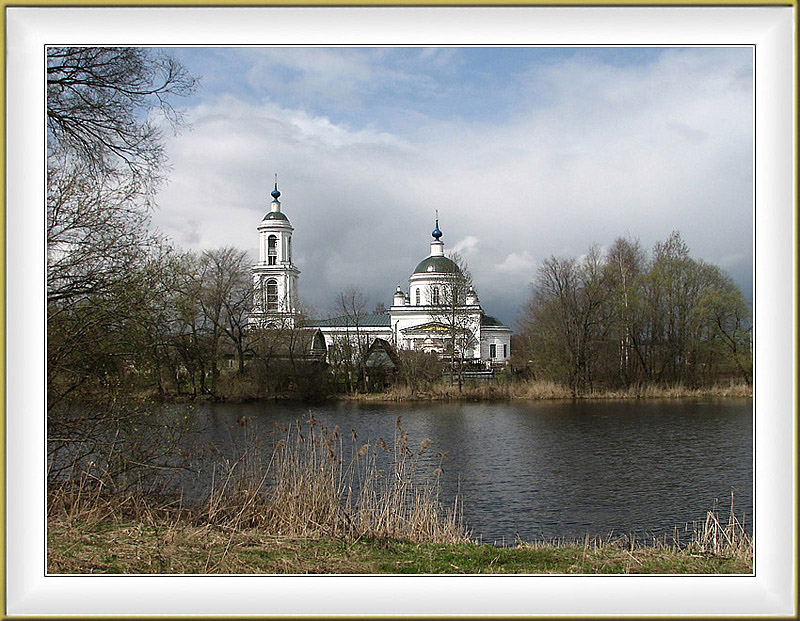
point(532, 390)
point(310, 488)
point(677, 391)
point(715, 535)
point(306, 486)
point(697, 548)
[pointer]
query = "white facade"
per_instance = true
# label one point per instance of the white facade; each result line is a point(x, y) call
point(275, 277)
point(424, 318)
point(418, 317)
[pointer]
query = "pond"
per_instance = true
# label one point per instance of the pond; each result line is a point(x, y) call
point(548, 470)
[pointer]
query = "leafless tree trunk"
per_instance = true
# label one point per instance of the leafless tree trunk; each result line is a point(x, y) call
point(448, 308)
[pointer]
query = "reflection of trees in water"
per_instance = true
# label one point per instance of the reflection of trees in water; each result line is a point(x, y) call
point(121, 449)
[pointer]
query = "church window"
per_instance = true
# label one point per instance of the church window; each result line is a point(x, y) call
point(492, 351)
point(289, 249)
point(505, 350)
point(272, 250)
point(417, 297)
point(272, 294)
point(435, 295)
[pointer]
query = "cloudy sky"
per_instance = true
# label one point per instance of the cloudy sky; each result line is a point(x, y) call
point(526, 153)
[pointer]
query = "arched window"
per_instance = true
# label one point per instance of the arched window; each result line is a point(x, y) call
point(272, 294)
point(435, 295)
point(272, 250)
point(289, 250)
point(417, 297)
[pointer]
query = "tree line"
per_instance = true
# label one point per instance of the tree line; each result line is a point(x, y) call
point(620, 318)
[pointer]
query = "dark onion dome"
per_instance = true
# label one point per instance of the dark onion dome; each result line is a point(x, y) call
point(276, 215)
point(439, 264)
point(436, 232)
point(488, 320)
point(275, 193)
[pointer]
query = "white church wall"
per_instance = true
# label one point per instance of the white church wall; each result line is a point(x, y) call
point(501, 339)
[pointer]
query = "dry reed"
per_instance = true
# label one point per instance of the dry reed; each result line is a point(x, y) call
point(308, 487)
point(712, 536)
point(504, 389)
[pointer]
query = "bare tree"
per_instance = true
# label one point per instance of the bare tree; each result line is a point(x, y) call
point(419, 369)
point(673, 286)
point(104, 159)
point(623, 319)
point(285, 356)
point(225, 294)
point(99, 101)
point(448, 307)
point(96, 231)
point(725, 312)
point(348, 350)
point(625, 265)
point(565, 317)
point(191, 323)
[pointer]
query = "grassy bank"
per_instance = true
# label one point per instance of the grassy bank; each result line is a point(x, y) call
point(510, 390)
point(183, 547)
point(234, 389)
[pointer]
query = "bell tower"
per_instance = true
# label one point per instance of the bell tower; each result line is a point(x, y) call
point(274, 276)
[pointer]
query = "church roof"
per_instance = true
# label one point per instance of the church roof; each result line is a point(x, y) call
point(437, 263)
point(374, 320)
point(276, 215)
point(381, 356)
point(489, 321)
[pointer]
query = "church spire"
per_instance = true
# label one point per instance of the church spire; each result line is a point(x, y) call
point(276, 193)
point(436, 232)
point(276, 204)
point(437, 245)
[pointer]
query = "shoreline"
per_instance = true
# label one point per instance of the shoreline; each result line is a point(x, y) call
point(470, 393)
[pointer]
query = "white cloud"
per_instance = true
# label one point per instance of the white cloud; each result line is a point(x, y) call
point(523, 262)
point(644, 149)
point(466, 246)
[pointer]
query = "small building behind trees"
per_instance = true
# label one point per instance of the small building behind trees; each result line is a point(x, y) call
point(381, 363)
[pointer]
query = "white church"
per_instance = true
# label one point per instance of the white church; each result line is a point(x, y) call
point(416, 319)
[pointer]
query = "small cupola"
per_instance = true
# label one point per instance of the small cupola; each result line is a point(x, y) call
point(472, 297)
point(399, 297)
point(275, 212)
point(436, 262)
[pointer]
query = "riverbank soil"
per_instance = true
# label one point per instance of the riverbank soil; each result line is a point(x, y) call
point(184, 548)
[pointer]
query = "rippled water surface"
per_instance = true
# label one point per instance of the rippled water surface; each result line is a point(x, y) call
point(554, 469)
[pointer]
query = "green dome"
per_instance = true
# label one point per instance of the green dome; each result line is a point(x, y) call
point(488, 320)
point(276, 215)
point(437, 264)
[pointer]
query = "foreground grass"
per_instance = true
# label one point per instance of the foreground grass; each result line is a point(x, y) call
point(177, 548)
